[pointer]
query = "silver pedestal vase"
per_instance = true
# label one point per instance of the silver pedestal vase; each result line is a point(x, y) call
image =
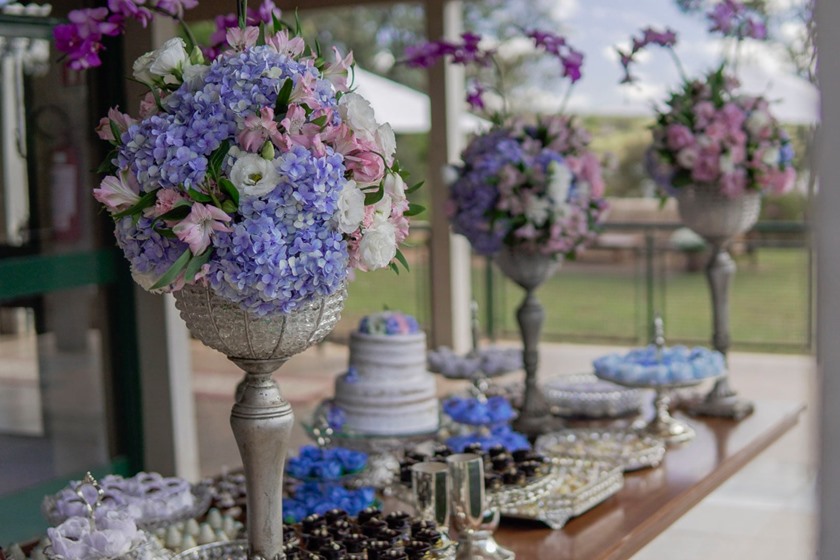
point(261, 419)
point(530, 270)
point(718, 219)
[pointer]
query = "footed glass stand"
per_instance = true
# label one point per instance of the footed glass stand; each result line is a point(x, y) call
point(663, 425)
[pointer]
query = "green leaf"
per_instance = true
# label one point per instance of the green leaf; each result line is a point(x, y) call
point(394, 268)
point(172, 273)
point(166, 232)
point(374, 197)
point(414, 187)
point(298, 26)
point(145, 201)
point(196, 263)
point(414, 209)
point(198, 196)
point(401, 258)
point(115, 130)
point(178, 212)
point(282, 104)
point(278, 24)
point(320, 121)
point(214, 164)
point(228, 206)
point(231, 190)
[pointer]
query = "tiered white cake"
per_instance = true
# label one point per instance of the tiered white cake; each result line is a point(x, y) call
point(387, 389)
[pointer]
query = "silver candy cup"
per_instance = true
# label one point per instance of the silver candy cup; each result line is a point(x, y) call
point(470, 513)
point(430, 486)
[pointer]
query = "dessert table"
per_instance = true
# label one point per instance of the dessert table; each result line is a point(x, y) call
point(653, 499)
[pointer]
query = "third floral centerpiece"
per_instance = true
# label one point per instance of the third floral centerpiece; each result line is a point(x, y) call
point(528, 192)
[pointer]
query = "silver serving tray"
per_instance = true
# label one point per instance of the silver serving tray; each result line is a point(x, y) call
point(238, 550)
point(631, 449)
point(577, 486)
point(584, 395)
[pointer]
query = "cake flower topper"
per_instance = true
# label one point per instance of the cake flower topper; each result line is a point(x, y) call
point(530, 184)
point(258, 172)
point(708, 134)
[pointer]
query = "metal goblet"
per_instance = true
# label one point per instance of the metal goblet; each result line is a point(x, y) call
point(430, 486)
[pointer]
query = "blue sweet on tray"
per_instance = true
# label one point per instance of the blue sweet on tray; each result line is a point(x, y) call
point(475, 412)
point(314, 463)
point(313, 497)
point(502, 435)
point(654, 366)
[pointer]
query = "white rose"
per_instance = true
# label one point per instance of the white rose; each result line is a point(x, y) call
point(194, 75)
point(537, 210)
point(384, 138)
point(382, 209)
point(358, 114)
point(726, 164)
point(378, 246)
point(141, 68)
point(687, 157)
point(770, 157)
point(559, 181)
point(170, 60)
point(757, 121)
point(351, 207)
point(253, 175)
point(394, 186)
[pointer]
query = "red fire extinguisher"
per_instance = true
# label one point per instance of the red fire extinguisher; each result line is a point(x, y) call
point(65, 194)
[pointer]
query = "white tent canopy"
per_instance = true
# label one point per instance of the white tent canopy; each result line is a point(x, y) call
point(406, 109)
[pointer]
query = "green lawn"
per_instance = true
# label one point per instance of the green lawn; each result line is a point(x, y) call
point(605, 302)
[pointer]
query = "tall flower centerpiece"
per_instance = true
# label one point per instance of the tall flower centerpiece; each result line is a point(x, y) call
point(717, 151)
point(528, 192)
point(251, 181)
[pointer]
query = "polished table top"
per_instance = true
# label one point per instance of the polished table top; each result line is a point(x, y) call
point(652, 499)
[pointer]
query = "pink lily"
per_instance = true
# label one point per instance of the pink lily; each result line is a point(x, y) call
point(281, 42)
point(118, 193)
point(241, 39)
point(336, 72)
point(259, 128)
point(195, 229)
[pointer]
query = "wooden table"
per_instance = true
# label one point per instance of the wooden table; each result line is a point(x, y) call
point(652, 499)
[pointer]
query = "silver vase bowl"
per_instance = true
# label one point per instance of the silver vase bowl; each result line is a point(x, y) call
point(224, 326)
point(527, 269)
point(716, 216)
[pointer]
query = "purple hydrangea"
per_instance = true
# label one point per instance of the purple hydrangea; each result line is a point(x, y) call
point(148, 252)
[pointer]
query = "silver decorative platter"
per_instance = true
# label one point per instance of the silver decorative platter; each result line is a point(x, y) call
point(147, 550)
point(201, 503)
point(630, 448)
point(648, 384)
point(577, 486)
point(585, 395)
point(238, 550)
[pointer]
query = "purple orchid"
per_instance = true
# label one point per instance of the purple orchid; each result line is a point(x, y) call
point(731, 18)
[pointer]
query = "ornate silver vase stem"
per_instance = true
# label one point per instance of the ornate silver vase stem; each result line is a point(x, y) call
point(718, 219)
point(529, 270)
point(261, 420)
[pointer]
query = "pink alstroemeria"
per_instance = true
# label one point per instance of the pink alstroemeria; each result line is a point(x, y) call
point(283, 44)
point(118, 193)
point(241, 39)
point(336, 72)
point(304, 91)
point(196, 228)
point(121, 120)
point(165, 201)
point(259, 128)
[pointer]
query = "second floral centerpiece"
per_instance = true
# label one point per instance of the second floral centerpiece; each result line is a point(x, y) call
point(528, 192)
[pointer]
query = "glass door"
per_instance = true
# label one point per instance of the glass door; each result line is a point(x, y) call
point(69, 391)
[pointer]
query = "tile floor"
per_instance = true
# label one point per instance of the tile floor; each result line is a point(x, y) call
point(766, 511)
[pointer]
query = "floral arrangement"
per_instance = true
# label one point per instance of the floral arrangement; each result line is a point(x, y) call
point(528, 184)
point(708, 134)
point(661, 365)
point(489, 361)
point(325, 464)
point(475, 412)
point(108, 534)
point(310, 498)
point(259, 172)
point(389, 323)
point(502, 435)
